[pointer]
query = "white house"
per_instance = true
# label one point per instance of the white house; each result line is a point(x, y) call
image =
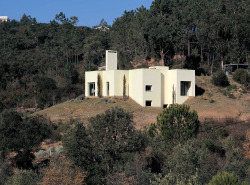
point(4, 18)
point(156, 86)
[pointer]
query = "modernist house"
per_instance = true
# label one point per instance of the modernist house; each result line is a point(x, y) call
point(154, 86)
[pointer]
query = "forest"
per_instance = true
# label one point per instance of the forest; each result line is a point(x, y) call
point(43, 64)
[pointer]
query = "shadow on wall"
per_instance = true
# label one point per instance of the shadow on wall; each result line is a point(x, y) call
point(199, 91)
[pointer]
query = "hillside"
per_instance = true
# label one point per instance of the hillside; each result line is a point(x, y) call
point(216, 103)
point(222, 106)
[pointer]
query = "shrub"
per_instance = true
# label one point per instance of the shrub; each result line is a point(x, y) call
point(2, 107)
point(21, 135)
point(23, 178)
point(189, 159)
point(61, 172)
point(220, 79)
point(241, 76)
point(225, 179)
point(231, 96)
point(176, 123)
point(45, 83)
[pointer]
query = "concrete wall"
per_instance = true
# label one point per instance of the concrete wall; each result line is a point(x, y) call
point(187, 76)
point(119, 75)
point(111, 60)
point(138, 79)
point(91, 77)
point(152, 77)
point(108, 76)
point(136, 86)
point(163, 81)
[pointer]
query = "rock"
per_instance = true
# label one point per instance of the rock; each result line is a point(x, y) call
point(104, 99)
point(81, 97)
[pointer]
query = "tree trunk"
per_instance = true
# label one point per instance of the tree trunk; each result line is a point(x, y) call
point(201, 55)
point(188, 45)
point(162, 57)
point(222, 62)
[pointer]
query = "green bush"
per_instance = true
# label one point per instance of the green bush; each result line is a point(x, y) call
point(225, 179)
point(220, 79)
point(241, 76)
point(231, 96)
point(23, 178)
point(176, 123)
point(190, 159)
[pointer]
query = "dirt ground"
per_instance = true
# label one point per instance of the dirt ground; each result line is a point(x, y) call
point(212, 103)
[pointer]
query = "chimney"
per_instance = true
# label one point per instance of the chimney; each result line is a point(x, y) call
point(111, 60)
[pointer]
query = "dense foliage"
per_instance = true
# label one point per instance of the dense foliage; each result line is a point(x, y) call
point(105, 146)
point(21, 136)
point(220, 79)
point(201, 35)
point(243, 77)
point(176, 124)
point(44, 64)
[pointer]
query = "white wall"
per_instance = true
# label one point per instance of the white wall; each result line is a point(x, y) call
point(136, 85)
point(91, 77)
point(188, 76)
point(160, 78)
point(108, 76)
point(111, 60)
point(119, 75)
point(152, 77)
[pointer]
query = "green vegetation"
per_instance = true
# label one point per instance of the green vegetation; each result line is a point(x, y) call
point(105, 146)
point(225, 179)
point(241, 76)
point(44, 64)
point(21, 136)
point(202, 39)
point(220, 79)
point(176, 123)
point(109, 148)
point(23, 178)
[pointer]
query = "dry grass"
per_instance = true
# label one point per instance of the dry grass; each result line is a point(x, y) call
point(74, 109)
point(223, 106)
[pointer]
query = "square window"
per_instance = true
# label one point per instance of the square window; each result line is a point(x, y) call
point(148, 87)
point(165, 106)
point(148, 103)
point(185, 87)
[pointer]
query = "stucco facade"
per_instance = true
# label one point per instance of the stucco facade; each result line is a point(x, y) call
point(156, 86)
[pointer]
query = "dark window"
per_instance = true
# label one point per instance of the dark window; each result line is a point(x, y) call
point(185, 87)
point(165, 106)
point(148, 103)
point(107, 88)
point(148, 87)
point(92, 89)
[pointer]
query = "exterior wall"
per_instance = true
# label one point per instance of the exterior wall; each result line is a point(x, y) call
point(170, 87)
point(118, 81)
point(188, 76)
point(138, 79)
point(115, 79)
point(91, 77)
point(152, 77)
point(108, 76)
point(160, 78)
point(164, 84)
point(111, 60)
point(136, 86)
